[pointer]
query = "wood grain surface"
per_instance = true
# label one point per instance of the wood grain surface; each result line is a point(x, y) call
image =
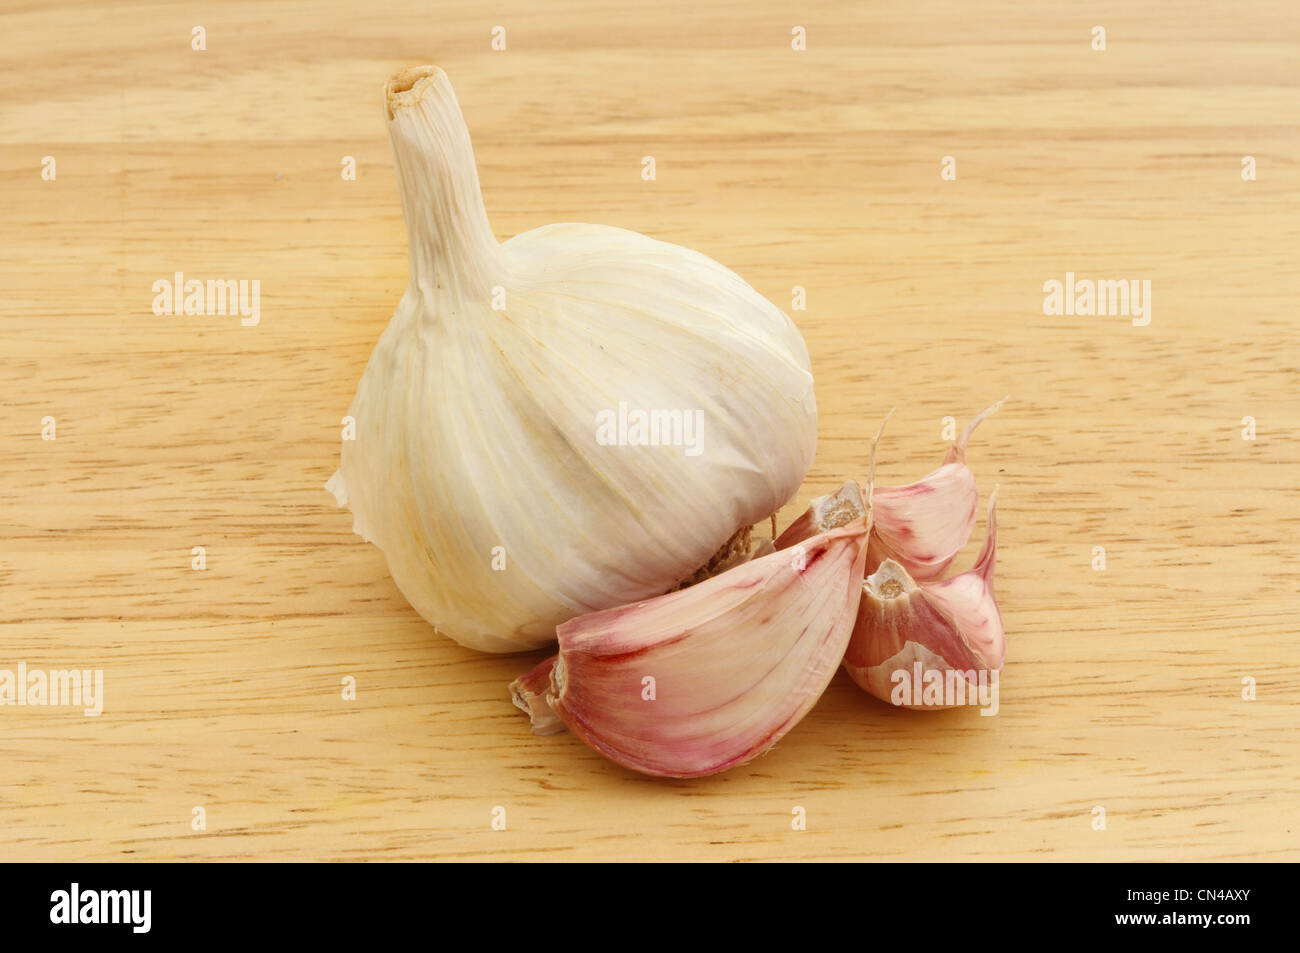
point(818, 168)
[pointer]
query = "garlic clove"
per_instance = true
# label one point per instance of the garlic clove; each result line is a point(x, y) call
point(925, 524)
point(694, 682)
point(952, 627)
point(528, 692)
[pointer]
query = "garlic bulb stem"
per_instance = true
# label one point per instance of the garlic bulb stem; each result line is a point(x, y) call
point(453, 253)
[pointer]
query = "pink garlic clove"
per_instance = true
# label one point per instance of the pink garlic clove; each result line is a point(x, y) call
point(952, 627)
point(925, 524)
point(700, 680)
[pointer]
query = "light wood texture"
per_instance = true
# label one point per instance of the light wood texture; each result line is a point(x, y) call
point(818, 168)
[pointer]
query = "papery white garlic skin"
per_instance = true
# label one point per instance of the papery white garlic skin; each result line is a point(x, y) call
point(701, 680)
point(477, 427)
point(952, 626)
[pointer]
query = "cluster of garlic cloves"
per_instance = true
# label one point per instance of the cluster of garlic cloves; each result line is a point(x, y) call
point(708, 677)
point(922, 641)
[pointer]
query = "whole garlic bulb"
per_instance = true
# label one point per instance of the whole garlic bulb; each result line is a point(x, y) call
point(480, 467)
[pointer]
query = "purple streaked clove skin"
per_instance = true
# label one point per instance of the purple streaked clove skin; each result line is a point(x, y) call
point(707, 678)
point(923, 525)
point(951, 627)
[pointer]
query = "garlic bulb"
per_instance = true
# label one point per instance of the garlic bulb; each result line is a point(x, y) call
point(572, 420)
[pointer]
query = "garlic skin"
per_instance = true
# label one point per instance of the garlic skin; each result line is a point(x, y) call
point(925, 524)
point(528, 692)
point(477, 467)
point(701, 680)
point(949, 626)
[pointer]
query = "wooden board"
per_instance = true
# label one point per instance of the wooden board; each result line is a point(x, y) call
point(818, 168)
